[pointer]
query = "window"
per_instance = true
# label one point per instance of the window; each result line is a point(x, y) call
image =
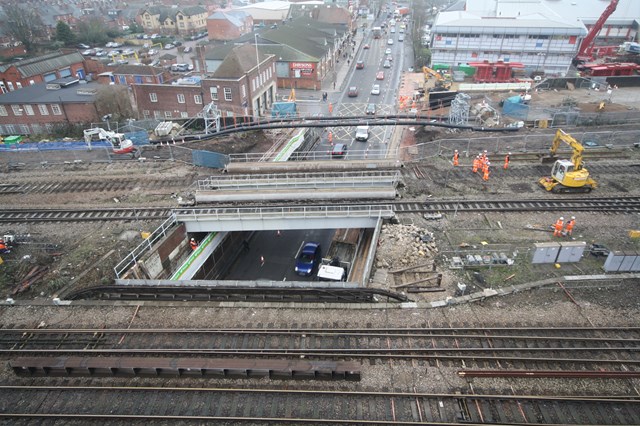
point(180, 98)
point(24, 129)
point(153, 97)
point(146, 114)
point(11, 129)
point(214, 93)
point(184, 114)
point(157, 115)
point(43, 109)
point(37, 129)
point(227, 94)
point(55, 108)
point(16, 109)
point(167, 114)
point(197, 99)
point(28, 109)
point(3, 110)
point(244, 91)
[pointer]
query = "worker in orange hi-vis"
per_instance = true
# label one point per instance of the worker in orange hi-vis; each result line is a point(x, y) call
point(485, 171)
point(456, 158)
point(485, 158)
point(476, 164)
point(568, 230)
point(330, 108)
point(506, 160)
point(193, 244)
point(557, 227)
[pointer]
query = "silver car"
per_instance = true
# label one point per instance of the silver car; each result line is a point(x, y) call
point(375, 90)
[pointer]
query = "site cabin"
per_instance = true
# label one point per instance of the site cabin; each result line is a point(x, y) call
point(377, 32)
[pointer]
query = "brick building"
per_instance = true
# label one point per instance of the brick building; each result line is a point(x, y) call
point(240, 86)
point(229, 25)
point(135, 74)
point(39, 108)
point(46, 68)
point(187, 20)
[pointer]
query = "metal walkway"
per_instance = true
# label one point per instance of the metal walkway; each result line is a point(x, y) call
point(274, 218)
point(299, 186)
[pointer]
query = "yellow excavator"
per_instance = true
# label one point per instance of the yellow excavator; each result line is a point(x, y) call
point(442, 82)
point(568, 176)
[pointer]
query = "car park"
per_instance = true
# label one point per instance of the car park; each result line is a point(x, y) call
point(128, 52)
point(390, 41)
point(359, 65)
point(375, 90)
point(353, 92)
point(339, 150)
point(308, 259)
point(362, 133)
point(386, 64)
point(380, 75)
point(371, 109)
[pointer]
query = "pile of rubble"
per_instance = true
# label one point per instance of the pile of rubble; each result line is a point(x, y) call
point(404, 245)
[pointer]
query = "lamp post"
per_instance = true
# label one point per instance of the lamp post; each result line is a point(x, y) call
point(258, 66)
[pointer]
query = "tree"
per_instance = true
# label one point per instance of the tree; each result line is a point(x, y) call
point(64, 34)
point(92, 31)
point(114, 100)
point(22, 23)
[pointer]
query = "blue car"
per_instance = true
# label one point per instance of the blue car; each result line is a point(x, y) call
point(308, 259)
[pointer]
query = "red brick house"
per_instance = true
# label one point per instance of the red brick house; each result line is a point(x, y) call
point(39, 108)
point(238, 87)
point(229, 25)
point(45, 68)
point(135, 74)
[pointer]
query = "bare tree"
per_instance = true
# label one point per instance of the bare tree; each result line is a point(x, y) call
point(114, 100)
point(22, 23)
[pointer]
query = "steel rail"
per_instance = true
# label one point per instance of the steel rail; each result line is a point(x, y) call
point(610, 205)
point(378, 407)
point(551, 373)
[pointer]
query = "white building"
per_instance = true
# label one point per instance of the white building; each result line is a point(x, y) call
point(542, 34)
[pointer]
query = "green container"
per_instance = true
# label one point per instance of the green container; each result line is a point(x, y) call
point(12, 140)
point(438, 67)
point(468, 70)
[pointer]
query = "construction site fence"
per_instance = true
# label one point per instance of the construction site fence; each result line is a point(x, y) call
point(515, 143)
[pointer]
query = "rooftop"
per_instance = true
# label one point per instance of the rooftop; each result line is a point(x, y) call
point(70, 91)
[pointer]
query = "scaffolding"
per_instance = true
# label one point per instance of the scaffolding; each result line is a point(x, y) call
point(459, 111)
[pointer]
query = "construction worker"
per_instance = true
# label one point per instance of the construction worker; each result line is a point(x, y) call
point(3, 246)
point(485, 171)
point(331, 105)
point(557, 227)
point(506, 160)
point(568, 230)
point(456, 158)
point(476, 164)
point(485, 157)
point(193, 244)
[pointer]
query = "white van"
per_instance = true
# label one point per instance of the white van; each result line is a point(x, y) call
point(180, 67)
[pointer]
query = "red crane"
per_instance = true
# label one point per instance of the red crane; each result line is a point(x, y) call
point(586, 47)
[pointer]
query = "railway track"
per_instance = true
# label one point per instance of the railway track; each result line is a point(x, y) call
point(602, 205)
point(581, 348)
point(158, 404)
point(103, 185)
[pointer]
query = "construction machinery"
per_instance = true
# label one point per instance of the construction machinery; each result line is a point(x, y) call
point(119, 143)
point(585, 52)
point(442, 82)
point(568, 176)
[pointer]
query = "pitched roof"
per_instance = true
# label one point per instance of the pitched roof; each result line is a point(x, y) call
point(170, 12)
point(318, 39)
point(235, 17)
point(239, 61)
point(45, 63)
point(39, 94)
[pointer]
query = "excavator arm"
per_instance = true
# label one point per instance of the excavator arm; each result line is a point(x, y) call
point(576, 146)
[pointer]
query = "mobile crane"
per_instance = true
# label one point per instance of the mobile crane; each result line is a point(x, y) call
point(118, 142)
point(585, 52)
point(568, 176)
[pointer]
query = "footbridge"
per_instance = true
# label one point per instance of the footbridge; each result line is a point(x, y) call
point(298, 186)
point(281, 218)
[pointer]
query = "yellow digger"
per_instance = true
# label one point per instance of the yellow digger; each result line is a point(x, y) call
point(568, 176)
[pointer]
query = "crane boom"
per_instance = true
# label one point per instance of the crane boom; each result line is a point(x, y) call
point(586, 47)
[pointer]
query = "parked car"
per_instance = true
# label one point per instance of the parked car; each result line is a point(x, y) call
point(362, 133)
point(371, 109)
point(83, 46)
point(188, 49)
point(101, 53)
point(375, 90)
point(386, 64)
point(339, 150)
point(168, 46)
point(308, 259)
point(89, 52)
point(154, 36)
point(353, 92)
point(359, 65)
point(153, 51)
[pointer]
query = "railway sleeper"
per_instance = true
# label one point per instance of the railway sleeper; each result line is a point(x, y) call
point(185, 367)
